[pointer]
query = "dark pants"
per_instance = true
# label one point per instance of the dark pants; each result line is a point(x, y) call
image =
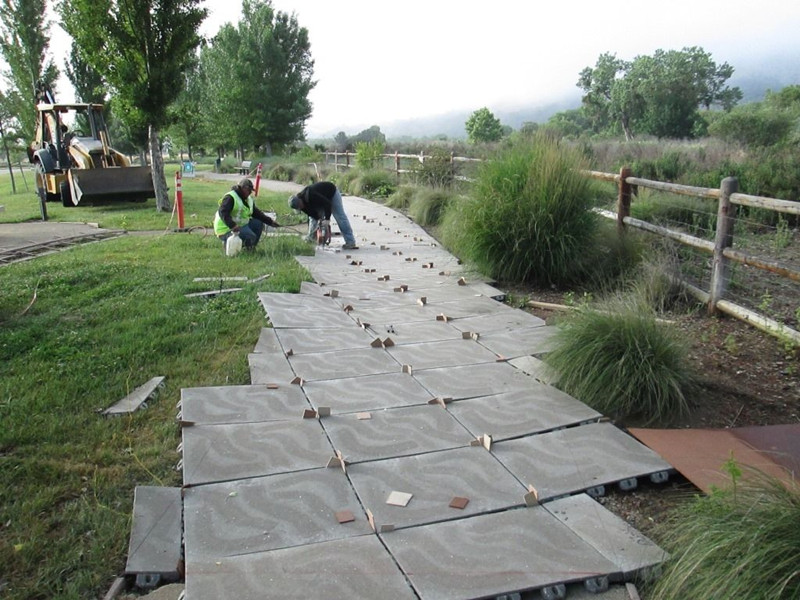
point(249, 233)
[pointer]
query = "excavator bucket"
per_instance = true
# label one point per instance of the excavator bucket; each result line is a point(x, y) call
point(98, 186)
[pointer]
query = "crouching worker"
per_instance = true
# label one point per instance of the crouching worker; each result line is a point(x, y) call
point(319, 201)
point(238, 214)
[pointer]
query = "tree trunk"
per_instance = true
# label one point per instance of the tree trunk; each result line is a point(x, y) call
point(626, 128)
point(8, 160)
point(157, 166)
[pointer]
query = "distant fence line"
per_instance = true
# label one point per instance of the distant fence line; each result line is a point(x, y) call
point(396, 157)
point(720, 249)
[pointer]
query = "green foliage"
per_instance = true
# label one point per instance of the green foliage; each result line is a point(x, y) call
point(621, 362)
point(369, 154)
point(483, 126)
point(698, 215)
point(738, 543)
point(528, 218)
point(754, 125)
point(436, 170)
point(402, 197)
point(429, 205)
point(373, 183)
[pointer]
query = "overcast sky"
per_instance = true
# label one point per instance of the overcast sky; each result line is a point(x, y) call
point(377, 61)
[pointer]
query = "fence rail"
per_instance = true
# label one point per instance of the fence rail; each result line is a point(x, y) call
point(720, 249)
point(396, 157)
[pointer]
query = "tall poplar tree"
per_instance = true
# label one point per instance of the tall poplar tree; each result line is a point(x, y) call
point(141, 48)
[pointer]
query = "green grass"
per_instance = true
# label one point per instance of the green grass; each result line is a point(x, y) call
point(81, 329)
point(742, 544)
point(429, 205)
point(622, 362)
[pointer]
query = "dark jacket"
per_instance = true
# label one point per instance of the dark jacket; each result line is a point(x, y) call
point(226, 206)
point(317, 199)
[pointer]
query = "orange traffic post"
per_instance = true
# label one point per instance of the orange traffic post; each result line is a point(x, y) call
point(179, 199)
point(258, 179)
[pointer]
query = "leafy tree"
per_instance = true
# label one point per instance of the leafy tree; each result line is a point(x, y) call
point(23, 44)
point(258, 77)
point(658, 94)
point(141, 47)
point(187, 129)
point(762, 124)
point(88, 83)
point(483, 126)
point(373, 134)
point(569, 123)
point(341, 142)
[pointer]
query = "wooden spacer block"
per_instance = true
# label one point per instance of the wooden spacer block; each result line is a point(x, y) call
point(399, 498)
point(348, 308)
point(334, 293)
point(441, 317)
point(466, 335)
point(386, 528)
point(422, 301)
point(532, 497)
point(363, 416)
point(345, 516)
point(407, 369)
point(272, 386)
point(388, 342)
point(500, 358)
point(371, 520)
point(289, 352)
point(459, 502)
point(376, 343)
point(461, 281)
point(309, 413)
point(298, 380)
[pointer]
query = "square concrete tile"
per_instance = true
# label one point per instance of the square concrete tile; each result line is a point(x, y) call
point(471, 307)
point(266, 367)
point(340, 365)
point(331, 316)
point(520, 342)
point(345, 569)
point(434, 479)
point(300, 302)
point(214, 453)
point(495, 322)
point(607, 533)
point(492, 555)
point(155, 542)
point(577, 459)
point(242, 403)
point(414, 333)
point(473, 380)
point(395, 432)
point(411, 313)
point(447, 353)
point(267, 513)
point(513, 414)
point(371, 392)
point(305, 341)
point(268, 342)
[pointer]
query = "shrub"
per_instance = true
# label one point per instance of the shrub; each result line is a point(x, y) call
point(738, 543)
point(401, 198)
point(280, 172)
point(527, 218)
point(373, 184)
point(428, 206)
point(369, 154)
point(622, 363)
point(437, 170)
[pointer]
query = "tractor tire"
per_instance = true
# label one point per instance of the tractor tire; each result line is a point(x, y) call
point(66, 195)
point(41, 184)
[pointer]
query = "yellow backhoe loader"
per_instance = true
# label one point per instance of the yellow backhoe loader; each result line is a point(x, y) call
point(77, 164)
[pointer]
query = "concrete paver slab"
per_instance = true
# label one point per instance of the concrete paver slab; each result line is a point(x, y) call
point(492, 555)
point(534, 367)
point(414, 333)
point(305, 341)
point(607, 533)
point(267, 513)
point(577, 459)
point(395, 432)
point(471, 307)
point(473, 380)
point(214, 453)
point(242, 403)
point(344, 569)
point(434, 479)
point(268, 367)
point(338, 365)
point(486, 324)
point(268, 341)
point(447, 353)
point(520, 342)
point(330, 316)
point(155, 542)
point(371, 392)
point(412, 313)
point(539, 408)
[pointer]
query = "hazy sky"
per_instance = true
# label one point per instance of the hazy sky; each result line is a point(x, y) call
point(377, 61)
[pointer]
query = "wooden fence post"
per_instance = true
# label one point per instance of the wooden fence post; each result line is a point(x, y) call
point(347, 157)
point(453, 165)
point(623, 199)
point(723, 238)
point(397, 165)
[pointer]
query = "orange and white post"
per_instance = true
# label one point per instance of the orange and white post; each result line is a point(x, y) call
point(258, 179)
point(179, 199)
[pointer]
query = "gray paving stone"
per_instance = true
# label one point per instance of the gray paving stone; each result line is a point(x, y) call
point(331, 316)
point(329, 339)
point(615, 539)
point(520, 342)
point(492, 323)
point(371, 392)
point(576, 459)
point(471, 306)
point(473, 380)
point(534, 367)
point(214, 453)
point(435, 479)
point(267, 513)
point(447, 353)
point(266, 367)
point(268, 341)
point(300, 302)
point(155, 542)
point(344, 569)
point(538, 408)
point(490, 555)
point(411, 313)
point(395, 432)
point(414, 333)
point(242, 403)
point(339, 365)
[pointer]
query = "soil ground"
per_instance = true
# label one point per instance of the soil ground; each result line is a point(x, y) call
point(746, 378)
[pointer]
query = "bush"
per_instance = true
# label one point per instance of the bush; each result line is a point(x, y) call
point(737, 543)
point(437, 170)
point(622, 363)
point(373, 184)
point(401, 198)
point(428, 206)
point(528, 217)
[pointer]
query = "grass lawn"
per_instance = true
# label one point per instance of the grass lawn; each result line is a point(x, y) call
point(82, 328)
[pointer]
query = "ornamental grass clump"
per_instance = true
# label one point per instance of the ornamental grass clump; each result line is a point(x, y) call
point(528, 218)
point(622, 363)
point(741, 543)
point(429, 205)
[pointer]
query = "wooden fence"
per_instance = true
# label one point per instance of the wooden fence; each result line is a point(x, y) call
point(343, 160)
point(721, 250)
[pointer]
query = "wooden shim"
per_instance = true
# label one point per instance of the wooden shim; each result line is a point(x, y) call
point(532, 497)
point(459, 502)
point(213, 293)
point(345, 516)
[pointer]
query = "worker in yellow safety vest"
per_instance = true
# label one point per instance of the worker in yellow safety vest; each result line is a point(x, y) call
point(237, 213)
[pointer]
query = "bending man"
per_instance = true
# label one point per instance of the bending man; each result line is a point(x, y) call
point(238, 214)
point(319, 201)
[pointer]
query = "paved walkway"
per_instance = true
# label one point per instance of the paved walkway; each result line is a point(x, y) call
point(398, 441)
